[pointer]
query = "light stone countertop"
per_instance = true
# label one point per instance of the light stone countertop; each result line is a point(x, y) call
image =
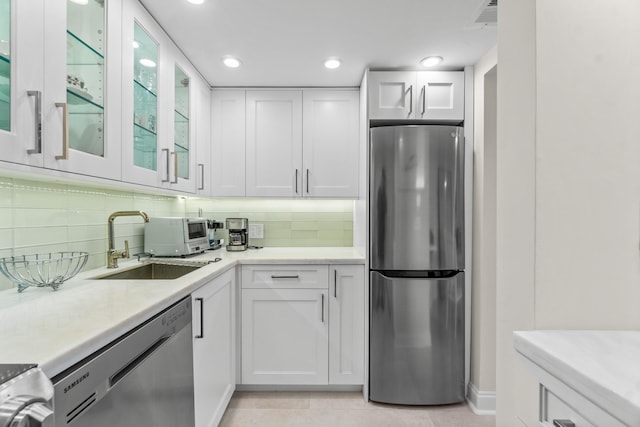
point(603, 366)
point(56, 329)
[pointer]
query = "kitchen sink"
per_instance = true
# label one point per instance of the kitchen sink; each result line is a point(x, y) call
point(154, 270)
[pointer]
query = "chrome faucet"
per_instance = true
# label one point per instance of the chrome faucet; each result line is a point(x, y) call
point(112, 253)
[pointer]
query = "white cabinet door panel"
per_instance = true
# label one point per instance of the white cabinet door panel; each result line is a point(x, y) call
point(330, 144)
point(346, 327)
point(214, 348)
point(392, 94)
point(228, 142)
point(284, 336)
point(274, 143)
point(441, 95)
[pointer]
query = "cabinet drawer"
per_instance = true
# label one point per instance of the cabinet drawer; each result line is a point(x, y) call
point(285, 276)
point(553, 407)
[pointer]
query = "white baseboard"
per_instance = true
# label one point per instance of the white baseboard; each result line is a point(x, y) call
point(481, 402)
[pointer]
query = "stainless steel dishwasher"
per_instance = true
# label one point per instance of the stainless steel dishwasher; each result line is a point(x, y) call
point(144, 378)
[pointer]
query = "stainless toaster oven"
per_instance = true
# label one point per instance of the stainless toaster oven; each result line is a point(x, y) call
point(175, 236)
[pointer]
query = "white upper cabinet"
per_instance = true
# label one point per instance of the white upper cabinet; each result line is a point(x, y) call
point(299, 143)
point(203, 137)
point(274, 143)
point(60, 86)
point(416, 95)
point(392, 94)
point(21, 81)
point(228, 142)
point(146, 69)
point(440, 95)
point(330, 143)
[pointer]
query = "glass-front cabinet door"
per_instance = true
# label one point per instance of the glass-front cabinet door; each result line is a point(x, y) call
point(5, 65)
point(145, 100)
point(21, 81)
point(82, 76)
point(181, 124)
point(146, 154)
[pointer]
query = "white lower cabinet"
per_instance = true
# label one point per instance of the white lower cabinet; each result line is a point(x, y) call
point(284, 336)
point(346, 324)
point(214, 348)
point(302, 325)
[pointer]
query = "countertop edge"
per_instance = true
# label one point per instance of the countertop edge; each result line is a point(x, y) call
point(609, 400)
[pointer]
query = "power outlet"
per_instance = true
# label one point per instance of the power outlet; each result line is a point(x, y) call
point(256, 231)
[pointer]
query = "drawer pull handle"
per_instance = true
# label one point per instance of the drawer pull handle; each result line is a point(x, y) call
point(285, 277)
point(563, 423)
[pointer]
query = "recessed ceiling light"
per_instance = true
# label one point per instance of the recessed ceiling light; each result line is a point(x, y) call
point(431, 61)
point(332, 63)
point(136, 44)
point(82, 2)
point(196, 1)
point(231, 62)
point(147, 63)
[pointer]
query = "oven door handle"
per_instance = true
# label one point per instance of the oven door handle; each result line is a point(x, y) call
point(133, 364)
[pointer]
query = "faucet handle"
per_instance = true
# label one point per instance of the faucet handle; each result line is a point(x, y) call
point(125, 254)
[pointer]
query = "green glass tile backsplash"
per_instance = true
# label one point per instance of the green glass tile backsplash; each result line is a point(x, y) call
point(41, 216)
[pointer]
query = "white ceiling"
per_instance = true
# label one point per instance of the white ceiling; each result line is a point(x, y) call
point(285, 42)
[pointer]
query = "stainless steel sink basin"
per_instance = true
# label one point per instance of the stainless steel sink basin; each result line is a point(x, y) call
point(154, 270)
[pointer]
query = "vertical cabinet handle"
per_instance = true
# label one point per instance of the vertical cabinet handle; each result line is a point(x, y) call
point(201, 301)
point(166, 150)
point(65, 130)
point(201, 166)
point(335, 284)
point(307, 181)
point(38, 122)
point(322, 309)
point(424, 100)
point(175, 167)
point(296, 181)
point(410, 100)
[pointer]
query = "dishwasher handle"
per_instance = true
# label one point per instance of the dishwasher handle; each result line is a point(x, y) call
point(124, 371)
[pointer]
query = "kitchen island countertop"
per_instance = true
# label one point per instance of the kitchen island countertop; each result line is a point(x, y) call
point(56, 329)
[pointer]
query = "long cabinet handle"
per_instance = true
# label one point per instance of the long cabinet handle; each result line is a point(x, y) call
point(175, 167)
point(201, 166)
point(65, 130)
point(335, 284)
point(201, 334)
point(285, 277)
point(296, 181)
point(424, 100)
point(322, 309)
point(38, 122)
point(411, 100)
point(307, 181)
point(168, 179)
point(563, 423)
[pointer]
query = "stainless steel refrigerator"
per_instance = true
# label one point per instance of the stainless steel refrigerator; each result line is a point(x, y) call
point(416, 265)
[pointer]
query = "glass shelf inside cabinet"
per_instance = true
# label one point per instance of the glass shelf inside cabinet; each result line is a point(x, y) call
point(85, 68)
point(145, 102)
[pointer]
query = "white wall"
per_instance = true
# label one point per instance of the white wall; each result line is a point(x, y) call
point(515, 206)
point(568, 177)
point(483, 324)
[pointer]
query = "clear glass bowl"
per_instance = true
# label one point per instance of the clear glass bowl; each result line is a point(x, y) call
point(40, 270)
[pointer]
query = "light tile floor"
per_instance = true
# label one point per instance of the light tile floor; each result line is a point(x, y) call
point(340, 409)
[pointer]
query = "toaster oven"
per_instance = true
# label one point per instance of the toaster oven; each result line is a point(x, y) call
point(175, 236)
